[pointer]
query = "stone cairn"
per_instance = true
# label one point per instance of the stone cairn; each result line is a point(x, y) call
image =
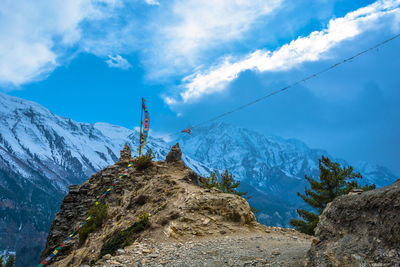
point(125, 156)
point(175, 155)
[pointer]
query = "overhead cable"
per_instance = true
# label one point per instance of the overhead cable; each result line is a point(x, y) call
point(309, 77)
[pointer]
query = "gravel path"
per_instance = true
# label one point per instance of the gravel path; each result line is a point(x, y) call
point(281, 247)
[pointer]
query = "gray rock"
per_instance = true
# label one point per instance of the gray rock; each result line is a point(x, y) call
point(74, 189)
point(359, 230)
point(106, 257)
point(356, 191)
point(120, 251)
point(276, 252)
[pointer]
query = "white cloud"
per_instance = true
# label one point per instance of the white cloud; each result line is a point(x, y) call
point(196, 26)
point(303, 49)
point(35, 35)
point(152, 2)
point(169, 100)
point(38, 36)
point(25, 62)
point(118, 62)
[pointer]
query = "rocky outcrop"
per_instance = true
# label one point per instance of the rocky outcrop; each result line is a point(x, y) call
point(179, 209)
point(75, 206)
point(360, 229)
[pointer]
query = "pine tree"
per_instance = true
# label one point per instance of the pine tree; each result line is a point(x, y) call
point(333, 181)
point(212, 180)
point(227, 183)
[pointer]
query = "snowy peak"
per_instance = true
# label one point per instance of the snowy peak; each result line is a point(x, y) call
point(228, 144)
point(31, 133)
point(34, 140)
point(373, 173)
point(11, 104)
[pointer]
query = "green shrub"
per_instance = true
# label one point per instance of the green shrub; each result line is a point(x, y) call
point(98, 213)
point(224, 182)
point(144, 161)
point(212, 180)
point(125, 237)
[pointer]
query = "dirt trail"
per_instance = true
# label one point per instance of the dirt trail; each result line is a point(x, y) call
point(275, 247)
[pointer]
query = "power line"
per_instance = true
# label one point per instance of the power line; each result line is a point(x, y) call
point(295, 83)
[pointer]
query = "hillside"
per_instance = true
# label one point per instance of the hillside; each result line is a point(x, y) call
point(182, 212)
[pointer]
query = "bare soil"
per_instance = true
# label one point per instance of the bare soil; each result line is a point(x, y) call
point(274, 247)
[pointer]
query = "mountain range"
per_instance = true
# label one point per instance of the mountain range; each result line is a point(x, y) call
point(41, 154)
point(271, 164)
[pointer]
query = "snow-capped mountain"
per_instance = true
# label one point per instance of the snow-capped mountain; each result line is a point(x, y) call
point(33, 140)
point(42, 153)
point(374, 174)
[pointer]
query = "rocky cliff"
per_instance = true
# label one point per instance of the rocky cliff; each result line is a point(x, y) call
point(360, 230)
point(179, 209)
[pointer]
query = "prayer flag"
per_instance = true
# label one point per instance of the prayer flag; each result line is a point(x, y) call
point(146, 126)
point(187, 130)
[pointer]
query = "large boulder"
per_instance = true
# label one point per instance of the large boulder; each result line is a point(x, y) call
point(360, 230)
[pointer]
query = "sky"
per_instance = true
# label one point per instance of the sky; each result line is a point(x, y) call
point(93, 61)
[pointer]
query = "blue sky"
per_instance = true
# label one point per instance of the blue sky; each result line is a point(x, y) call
point(92, 61)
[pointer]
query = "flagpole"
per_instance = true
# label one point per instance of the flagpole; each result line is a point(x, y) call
point(141, 124)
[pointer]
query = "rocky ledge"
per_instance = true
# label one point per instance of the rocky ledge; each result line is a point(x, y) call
point(360, 229)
